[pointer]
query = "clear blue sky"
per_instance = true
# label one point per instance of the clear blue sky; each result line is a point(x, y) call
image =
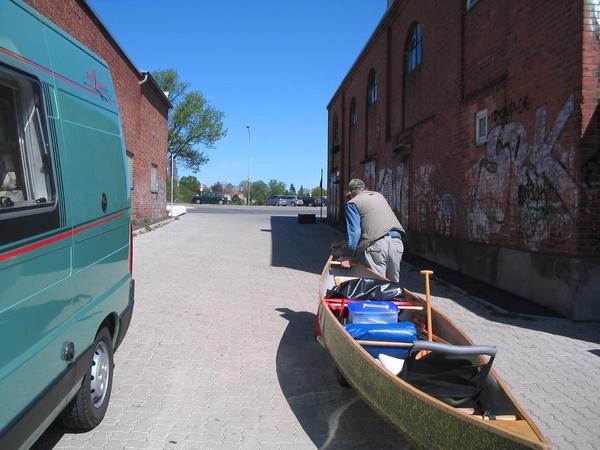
point(271, 64)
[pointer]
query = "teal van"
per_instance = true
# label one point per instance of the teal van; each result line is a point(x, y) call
point(66, 288)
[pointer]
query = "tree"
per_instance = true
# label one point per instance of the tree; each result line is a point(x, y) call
point(301, 191)
point(316, 192)
point(277, 187)
point(292, 189)
point(217, 187)
point(259, 191)
point(187, 188)
point(192, 121)
point(230, 189)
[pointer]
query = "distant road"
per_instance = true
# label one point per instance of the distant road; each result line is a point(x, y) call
point(273, 210)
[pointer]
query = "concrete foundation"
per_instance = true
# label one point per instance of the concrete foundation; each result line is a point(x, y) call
point(567, 285)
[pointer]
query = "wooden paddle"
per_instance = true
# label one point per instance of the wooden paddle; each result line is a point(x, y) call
point(427, 273)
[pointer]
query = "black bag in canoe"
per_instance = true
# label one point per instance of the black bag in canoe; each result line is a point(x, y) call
point(366, 289)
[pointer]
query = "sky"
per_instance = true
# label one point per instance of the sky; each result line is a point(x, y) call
point(273, 65)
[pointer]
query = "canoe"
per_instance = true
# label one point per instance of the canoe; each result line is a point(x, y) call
point(426, 421)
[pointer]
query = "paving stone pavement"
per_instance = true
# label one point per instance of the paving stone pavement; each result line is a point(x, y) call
point(220, 352)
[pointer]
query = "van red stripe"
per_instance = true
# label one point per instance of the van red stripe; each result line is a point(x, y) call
point(60, 237)
point(48, 71)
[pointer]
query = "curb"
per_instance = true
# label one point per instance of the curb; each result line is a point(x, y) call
point(154, 226)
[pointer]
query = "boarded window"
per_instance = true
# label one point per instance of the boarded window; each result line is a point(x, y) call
point(154, 178)
point(130, 169)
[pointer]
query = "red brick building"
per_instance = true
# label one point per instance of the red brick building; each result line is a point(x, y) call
point(143, 106)
point(478, 120)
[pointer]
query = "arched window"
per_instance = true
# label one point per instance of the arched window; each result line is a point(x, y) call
point(372, 89)
point(353, 115)
point(414, 55)
point(335, 129)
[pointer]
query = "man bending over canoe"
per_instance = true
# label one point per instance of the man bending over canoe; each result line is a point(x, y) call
point(374, 233)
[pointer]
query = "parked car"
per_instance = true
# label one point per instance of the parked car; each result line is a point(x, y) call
point(276, 200)
point(314, 201)
point(214, 198)
point(294, 200)
point(66, 248)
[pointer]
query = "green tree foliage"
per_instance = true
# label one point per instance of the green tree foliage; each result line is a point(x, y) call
point(277, 187)
point(192, 121)
point(187, 188)
point(316, 192)
point(260, 192)
point(302, 192)
point(292, 189)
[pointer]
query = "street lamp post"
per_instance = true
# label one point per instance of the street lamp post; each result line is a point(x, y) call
point(249, 160)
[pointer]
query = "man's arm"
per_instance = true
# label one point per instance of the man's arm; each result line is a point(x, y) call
point(352, 228)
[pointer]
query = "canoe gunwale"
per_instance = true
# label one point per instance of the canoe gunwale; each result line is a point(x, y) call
point(331, 329)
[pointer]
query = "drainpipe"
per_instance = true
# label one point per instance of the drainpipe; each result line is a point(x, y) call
point(145, 78)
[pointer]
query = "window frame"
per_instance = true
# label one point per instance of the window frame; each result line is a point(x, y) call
point(335, 129)
point(414, 48)
point(353, 113)
point(16, 211)
point(372, 93)
point(479, 138)
point(469, 4)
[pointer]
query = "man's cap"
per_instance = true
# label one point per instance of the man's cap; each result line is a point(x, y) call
point(356, 183)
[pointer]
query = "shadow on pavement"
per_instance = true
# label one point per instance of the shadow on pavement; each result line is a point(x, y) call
point(584, 331)
point(50, 437)
point(299, 247)
point(333, 417)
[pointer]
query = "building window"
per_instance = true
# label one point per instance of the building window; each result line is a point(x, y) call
point(130, 167)
point(335, 129)
point(415, 50)
point(481, 127)
point(372, 90)
point(154, 179)
point(353, 114)
point(470, 4)
point(26, 180)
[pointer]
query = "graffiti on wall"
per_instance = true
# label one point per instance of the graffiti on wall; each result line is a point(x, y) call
point(504, 114)
point(530, 186)
point(370, 175)
point(437, 209)
point(393, 184)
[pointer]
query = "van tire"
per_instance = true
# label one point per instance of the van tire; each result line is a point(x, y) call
point(84, 412)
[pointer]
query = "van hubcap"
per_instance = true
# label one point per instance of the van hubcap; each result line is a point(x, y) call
point(100, 374)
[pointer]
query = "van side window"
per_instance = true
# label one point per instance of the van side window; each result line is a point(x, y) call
point(25, 165)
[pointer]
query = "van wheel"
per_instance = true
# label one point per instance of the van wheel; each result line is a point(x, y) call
point(87, 409)
point(220, 202)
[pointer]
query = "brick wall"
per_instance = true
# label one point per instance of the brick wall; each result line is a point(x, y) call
point(522, 62)
point(589, 224)
point(143, 113)
point(533, 187)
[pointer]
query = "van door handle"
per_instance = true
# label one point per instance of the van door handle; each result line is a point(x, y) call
point(103, 202)
point(69, 351)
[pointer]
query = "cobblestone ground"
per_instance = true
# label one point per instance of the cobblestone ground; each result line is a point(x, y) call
point(220, 352)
